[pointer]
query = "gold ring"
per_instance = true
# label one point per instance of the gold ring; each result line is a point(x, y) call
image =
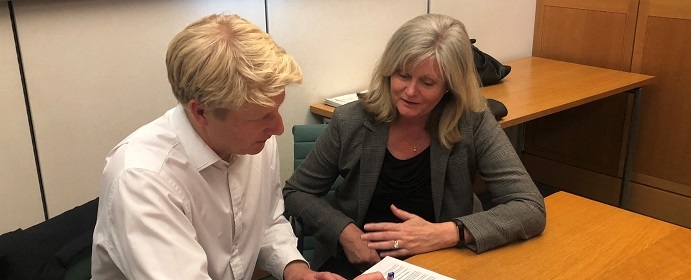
point(395, 244)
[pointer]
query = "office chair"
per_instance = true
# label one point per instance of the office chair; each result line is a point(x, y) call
point(305, 137)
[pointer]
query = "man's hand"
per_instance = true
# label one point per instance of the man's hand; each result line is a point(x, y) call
point(356, 250)
point(298, 270)
point(370, 276)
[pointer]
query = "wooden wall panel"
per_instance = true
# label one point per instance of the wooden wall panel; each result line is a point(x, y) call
point(589, 137)
point(660, 204)
point(591, 37)
point(574, 180)
point(596, 32)
point(663, 153)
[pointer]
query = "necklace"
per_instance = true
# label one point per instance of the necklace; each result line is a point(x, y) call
point(416, 145)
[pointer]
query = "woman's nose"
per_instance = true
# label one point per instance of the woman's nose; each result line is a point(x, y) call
point(411, 88)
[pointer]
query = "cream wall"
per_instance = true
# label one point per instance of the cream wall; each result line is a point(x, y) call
point(20, 197)
point(95, 72)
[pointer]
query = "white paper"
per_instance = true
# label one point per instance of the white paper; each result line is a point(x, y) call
point(405, 271)
point(341, 100)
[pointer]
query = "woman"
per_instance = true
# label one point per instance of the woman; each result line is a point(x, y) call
point(409, 150)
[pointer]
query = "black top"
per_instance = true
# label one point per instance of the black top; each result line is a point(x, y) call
point(406, 184)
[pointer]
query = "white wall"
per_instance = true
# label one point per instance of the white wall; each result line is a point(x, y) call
point(336, 44)
point(503, 29)
point(95, 70)
point(20, 197)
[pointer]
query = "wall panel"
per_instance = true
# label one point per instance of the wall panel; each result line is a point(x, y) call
point(337, 44)
point(589, 139)
point(663, 155)
point(95, 72)
point(20, 196)
point(503, 29)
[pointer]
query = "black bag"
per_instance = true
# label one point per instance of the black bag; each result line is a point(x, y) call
point(490, 70)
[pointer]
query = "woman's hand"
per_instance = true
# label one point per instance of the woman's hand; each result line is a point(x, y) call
point(361, 256)
point(413, 236)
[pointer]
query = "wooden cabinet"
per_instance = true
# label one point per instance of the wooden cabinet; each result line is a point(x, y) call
point(582, 150)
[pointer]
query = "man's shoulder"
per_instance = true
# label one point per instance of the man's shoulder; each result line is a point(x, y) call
point(149, 147)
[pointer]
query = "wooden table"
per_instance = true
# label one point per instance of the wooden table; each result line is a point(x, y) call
point(584, 239)
point(537, 87)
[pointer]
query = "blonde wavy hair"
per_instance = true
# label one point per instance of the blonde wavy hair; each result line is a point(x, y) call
point(445, 39)
point(226, 62)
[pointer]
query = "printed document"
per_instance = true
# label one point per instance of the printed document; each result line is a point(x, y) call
point(405, 271)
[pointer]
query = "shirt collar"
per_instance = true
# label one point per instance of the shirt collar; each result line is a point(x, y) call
point(198, 152)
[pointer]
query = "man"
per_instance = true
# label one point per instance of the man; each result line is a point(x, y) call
point(195, 194)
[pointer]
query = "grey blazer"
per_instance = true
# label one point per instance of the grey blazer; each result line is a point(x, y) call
point(353, 146)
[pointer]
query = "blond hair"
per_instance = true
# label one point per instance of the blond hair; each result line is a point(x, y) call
point(226, 62)
point(446, 40)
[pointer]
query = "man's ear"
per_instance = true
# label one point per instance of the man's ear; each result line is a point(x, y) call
point(197, 113)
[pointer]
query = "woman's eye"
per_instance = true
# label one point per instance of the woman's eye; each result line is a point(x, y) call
point(428, 83)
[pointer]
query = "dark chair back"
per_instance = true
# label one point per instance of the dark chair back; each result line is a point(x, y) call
point(59, 248)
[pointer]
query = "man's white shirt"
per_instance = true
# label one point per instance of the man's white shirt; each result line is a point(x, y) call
point(170, 208)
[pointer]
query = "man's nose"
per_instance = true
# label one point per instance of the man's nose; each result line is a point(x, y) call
point(277, 127)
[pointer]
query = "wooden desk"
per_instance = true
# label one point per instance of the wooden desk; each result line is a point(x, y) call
point(537, 87)
point(584, 239)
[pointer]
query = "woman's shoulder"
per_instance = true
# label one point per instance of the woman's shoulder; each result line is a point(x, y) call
point(353, 111)
point(472, 118)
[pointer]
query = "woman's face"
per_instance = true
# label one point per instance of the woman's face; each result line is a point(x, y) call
point(416, 93)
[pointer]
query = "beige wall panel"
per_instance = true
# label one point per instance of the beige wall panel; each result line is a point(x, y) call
point(337, 44)
point(20, 196)
point(95, 72)
point(503, 29)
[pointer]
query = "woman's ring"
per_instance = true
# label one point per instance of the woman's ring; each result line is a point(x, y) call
point(395, 244)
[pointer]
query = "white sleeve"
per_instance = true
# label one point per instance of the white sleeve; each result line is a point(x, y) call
point(150, 235)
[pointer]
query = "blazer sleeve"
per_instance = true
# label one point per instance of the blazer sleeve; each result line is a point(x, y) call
point(520, 210)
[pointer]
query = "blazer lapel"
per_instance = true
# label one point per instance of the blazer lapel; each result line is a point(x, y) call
point(439, 157)
point(373, 150)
